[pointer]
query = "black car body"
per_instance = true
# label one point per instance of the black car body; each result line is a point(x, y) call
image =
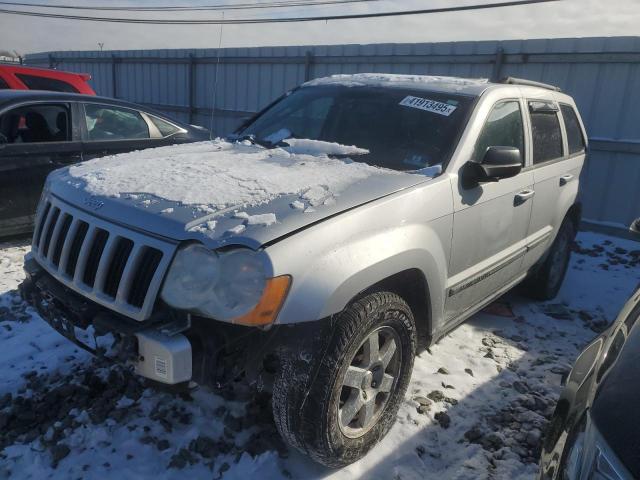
point(42, 131)
point(595, 430)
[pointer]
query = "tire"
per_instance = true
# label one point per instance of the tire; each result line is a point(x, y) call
point(312, 403)
point(545, 283)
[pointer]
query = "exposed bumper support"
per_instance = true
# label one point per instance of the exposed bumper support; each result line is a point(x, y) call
point(155, 355)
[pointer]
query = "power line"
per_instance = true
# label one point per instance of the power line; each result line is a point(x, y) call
point(237, 6)
point(241, 21)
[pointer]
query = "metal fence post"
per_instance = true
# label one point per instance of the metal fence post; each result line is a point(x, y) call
point(114, 76)
point(51, 60)
point(192, 87)
point(497, 65)
point(308, 64)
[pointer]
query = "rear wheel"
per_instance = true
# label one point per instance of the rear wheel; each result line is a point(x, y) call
point(546, 282)
point(351, 400)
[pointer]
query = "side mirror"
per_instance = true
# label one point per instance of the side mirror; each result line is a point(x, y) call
point(498, 162)
point(635, 227)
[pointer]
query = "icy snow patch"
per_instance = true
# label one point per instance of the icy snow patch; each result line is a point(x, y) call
point(432, 171)
point(208, 226)
point(265, 219)
point(238, 229)
point(318, 147)
point(277, 137)
point(316, 195)
point(297, 204)
point(218, 174)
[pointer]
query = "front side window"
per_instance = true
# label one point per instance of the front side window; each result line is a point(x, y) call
point(575, 139)
point(106, 122)
point(402, 129)
point(545, 129)
point(36, 124)
point(34, 82)
point(3, 84)
point(503, 128)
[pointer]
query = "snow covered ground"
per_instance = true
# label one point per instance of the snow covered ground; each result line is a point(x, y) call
point(475, 409)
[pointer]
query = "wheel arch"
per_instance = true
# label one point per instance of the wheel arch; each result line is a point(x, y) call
point(412, 286)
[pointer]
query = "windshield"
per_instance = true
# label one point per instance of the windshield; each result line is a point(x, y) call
point(401, 129)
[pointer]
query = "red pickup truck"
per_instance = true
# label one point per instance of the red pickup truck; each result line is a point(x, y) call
point(18, 77)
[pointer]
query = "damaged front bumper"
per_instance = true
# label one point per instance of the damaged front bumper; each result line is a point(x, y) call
point(157, 351)
point(171, 347)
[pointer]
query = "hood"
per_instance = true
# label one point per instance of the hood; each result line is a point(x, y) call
point(223, 193)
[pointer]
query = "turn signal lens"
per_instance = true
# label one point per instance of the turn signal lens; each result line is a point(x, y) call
point(267, 309)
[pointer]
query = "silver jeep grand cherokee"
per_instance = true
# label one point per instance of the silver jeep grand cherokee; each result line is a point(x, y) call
point(351, 223)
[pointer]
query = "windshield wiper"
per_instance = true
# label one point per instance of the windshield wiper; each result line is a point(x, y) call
point(250, 137)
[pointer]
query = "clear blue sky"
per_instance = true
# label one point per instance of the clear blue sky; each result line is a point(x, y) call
point(568, 18)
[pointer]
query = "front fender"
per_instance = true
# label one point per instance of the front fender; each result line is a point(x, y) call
point(332, 262)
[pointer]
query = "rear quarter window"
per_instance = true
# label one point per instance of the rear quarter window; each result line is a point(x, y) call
point(165, 128)
point(575, 138)
point(3, 85)
point(34, 82)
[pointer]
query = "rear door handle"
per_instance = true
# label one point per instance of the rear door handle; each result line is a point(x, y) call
point(564, 179)
point(523, 196)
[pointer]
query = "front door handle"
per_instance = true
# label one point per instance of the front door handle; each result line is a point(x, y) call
point(523, 196)
point(564, 179)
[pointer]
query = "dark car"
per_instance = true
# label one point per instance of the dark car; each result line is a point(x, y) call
point(595, 430)
point(42, 131)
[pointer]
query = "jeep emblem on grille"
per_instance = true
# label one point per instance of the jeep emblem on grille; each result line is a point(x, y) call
point(93, 203)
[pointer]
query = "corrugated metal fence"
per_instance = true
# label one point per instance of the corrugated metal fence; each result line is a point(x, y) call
point(602, 74)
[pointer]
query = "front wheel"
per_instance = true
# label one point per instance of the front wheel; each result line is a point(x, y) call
point(350, 401)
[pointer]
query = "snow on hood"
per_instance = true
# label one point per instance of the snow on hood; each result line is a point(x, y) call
point(220, 174)
point(222, 193)
point(383, 79)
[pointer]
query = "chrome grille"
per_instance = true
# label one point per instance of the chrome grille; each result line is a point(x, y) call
point(111, 265)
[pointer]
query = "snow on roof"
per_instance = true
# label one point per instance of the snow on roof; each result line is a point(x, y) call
point(389, 79)
point(221, 174)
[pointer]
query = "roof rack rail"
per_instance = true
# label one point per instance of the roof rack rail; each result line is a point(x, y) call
point(530, 83)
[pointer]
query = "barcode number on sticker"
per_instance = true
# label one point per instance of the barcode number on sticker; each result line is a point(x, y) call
point(428, 105)
point(161, 367)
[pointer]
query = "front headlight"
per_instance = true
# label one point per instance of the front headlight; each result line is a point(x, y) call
point(590, 457)
point(230, 286)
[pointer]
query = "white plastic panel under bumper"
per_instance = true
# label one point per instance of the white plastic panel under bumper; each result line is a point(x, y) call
point(163, 358)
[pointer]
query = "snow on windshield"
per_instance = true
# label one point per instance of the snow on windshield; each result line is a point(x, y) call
point(221, 174)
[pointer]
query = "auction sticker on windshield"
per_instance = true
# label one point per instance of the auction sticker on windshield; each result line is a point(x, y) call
point(428, 105)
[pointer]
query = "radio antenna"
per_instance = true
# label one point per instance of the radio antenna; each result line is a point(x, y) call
point(215, 82)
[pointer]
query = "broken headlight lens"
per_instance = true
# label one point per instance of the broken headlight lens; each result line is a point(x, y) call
point(222, 286)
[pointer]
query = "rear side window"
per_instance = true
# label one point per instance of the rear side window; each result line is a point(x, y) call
point(106, 122)
point(34, 82)
point(575, 139)
point(545, 128)
point(37, 124)
point(503, 128)
point(164, 127)
point(3, 84)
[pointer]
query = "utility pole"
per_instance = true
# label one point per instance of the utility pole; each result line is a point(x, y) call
point(101, 44)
